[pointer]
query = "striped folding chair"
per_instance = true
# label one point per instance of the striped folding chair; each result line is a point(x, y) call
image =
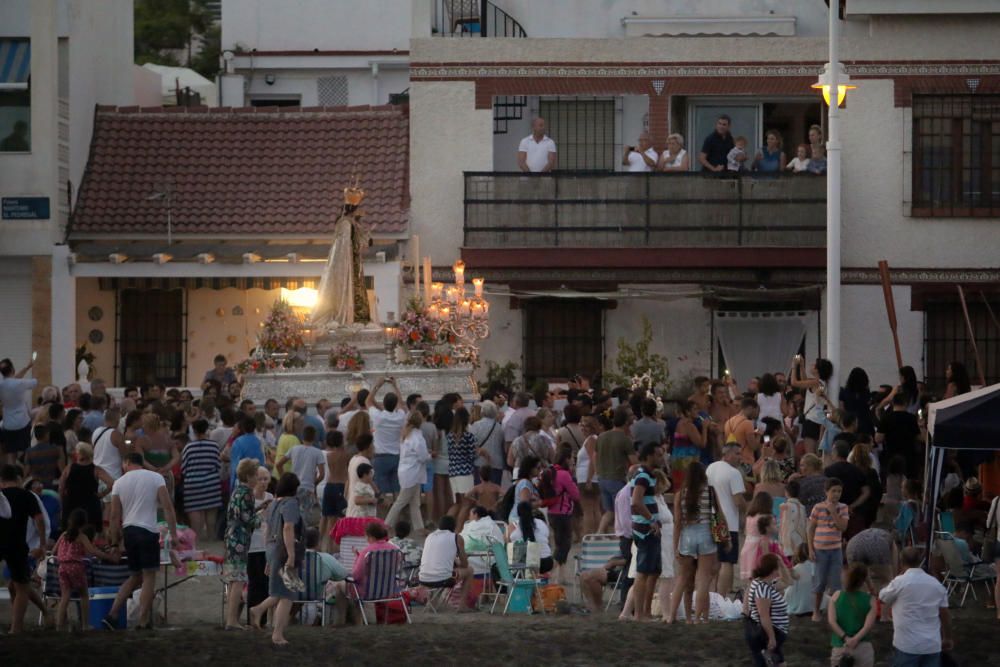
point(382, 581)
point(50, 587)
point(596, 550)
point(315, 592)
point(350, 547)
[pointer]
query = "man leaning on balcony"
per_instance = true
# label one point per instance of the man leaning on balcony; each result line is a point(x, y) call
point(537, 152)
point(642, 157)
point(717, 146)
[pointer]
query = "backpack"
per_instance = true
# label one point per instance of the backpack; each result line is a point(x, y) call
point(506, 503)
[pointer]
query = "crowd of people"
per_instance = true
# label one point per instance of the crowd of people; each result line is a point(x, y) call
point(787, 497)
point(721, 153)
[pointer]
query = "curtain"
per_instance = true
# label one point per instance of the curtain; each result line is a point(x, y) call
point(755, 343)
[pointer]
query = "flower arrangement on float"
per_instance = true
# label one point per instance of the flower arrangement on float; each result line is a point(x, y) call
point(280, 338)
point(346, 357)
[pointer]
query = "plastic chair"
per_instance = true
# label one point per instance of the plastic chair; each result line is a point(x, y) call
point(596, 550)
point(959, 572)
point(382, 581)
point(507, 580)
point(946, 522)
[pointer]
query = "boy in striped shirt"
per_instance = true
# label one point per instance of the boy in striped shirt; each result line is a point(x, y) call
point(827, 524)
point(645, 530)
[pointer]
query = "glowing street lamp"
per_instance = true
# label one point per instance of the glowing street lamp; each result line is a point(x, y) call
point(843, 84)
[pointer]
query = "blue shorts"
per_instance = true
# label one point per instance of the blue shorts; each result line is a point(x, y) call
point(609, 489)
point(904, 659)
point(386, 466)
point(829, 565)
point(648, 555)
point(696, 540)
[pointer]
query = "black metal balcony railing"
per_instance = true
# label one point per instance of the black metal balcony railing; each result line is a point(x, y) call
point(628, 210)
point(473, 18)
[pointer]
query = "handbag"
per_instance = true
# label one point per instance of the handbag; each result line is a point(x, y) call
point(717, 522)
point(290, 578)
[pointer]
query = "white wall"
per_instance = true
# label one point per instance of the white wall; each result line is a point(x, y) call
point(362, 87)
point(602, 18)
point(447, 137)
point(15, 18)
point(327, 25)
point(506, 333)
point(867, 339)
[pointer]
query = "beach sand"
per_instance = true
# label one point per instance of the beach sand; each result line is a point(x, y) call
point(196, 638)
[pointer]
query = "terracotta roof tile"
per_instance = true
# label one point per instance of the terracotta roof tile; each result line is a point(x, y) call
point(243, 171)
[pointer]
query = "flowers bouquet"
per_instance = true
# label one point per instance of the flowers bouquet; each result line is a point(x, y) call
point(438, 360)
point(282, 330)
point(416, 329)
point(346, 357)
point(254, 365)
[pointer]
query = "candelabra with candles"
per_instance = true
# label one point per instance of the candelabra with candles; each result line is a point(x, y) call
point(460, 318)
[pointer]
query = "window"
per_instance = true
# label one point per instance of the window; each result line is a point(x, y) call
point(946, 340)
point(584, 132)
point(15, 96)
point(151, 336)
point(956, 155)
point(331, 91)
point(562, 337)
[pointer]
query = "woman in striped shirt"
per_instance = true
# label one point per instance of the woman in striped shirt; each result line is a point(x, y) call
point(767, 625)
point(200, 470)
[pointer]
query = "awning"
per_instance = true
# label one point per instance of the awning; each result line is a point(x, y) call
point(266, 283)
point(967, 421)
point(15, 63)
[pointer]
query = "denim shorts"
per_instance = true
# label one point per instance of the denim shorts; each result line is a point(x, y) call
point(829, 565)
point(696, 540)
point(609, 489)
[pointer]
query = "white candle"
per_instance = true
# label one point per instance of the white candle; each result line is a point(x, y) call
point(477, 283)
point(459, 269)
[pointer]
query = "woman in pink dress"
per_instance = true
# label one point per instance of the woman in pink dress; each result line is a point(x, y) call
point(760, 505)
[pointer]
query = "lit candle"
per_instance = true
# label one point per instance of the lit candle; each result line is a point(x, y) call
point(427, 280)
point(436, 290)
point(465, 308)
point(459, 269)
point(433, 311)
point(486, 307)
point(453, 294)
point(478, 284)
point(445, 312)
point(477, 310)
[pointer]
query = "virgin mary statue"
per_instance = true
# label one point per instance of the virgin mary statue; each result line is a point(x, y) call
point(342, 298)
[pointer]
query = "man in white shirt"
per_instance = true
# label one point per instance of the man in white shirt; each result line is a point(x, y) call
point(513, 421)
point(444, 563)
point(353, 407)
point(109, 446)
point(222, 434)
point(15, 430)
point(726, 481)
point(537, 152)
point(387, 428)
point(642, 157)
point(134, 499)
point(921, 624)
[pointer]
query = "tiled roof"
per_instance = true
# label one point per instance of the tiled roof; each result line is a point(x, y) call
point(244, 171)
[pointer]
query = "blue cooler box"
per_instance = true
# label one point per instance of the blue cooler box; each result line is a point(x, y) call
point(101, 600)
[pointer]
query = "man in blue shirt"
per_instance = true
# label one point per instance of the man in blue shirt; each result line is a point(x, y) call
point(645, 530)
point(246, 446)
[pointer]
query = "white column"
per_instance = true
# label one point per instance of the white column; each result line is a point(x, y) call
point(45, 107)
point(833, 207)
point(63, 318)
point(421, 14)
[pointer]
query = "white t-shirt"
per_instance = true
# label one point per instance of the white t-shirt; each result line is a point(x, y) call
point(726, 481)
point(916, 599)
point(541, 537)
point(438, 560)
point(345, 420)
point(305, 460)
point(106, 455)
point(636, 163)
point(221, 436)
point(257, 541)
point(15, 407)
point(673, 160)
point(387, 428)
point(797, 165)
point(538, 151)
point(137, 491)
point(31, 536)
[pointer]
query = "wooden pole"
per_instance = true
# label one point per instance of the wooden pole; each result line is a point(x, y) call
point(890, 308)
point(972, 337)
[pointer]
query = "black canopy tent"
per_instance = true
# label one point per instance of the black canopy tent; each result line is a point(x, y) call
point(967, 422)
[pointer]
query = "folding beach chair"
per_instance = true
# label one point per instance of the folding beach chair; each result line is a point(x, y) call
point(349, 549)
point(959, 572)
point(596, 550)
point(50, 587)
point(382, 581)
point(507, 582)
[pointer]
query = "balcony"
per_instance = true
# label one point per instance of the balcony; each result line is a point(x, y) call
point(644, 210)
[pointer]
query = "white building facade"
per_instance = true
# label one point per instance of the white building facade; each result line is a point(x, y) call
point(58, 58)
point(692, 254)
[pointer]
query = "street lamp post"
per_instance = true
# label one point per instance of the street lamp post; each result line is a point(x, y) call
point(834, 83)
